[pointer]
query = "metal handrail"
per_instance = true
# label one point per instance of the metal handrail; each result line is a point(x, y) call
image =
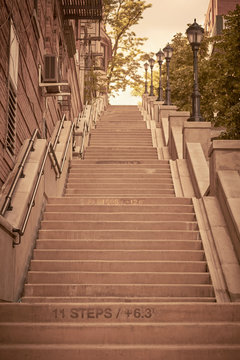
point(21, 231)
point(56, 164)
point(19, 174)
point(66, 148)
point(58, 171)
point(91, 119)
point(85, 129)
point(56, 141)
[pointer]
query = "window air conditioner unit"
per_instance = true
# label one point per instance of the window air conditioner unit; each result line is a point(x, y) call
point(50, 73)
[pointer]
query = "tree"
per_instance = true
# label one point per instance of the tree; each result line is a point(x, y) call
point(222, 87)
point(120, 17)
point(219, 76)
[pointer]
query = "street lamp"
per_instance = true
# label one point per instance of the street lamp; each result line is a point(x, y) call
point(160, 58)
point(195, 34)
point(168, 51)
point(146, 70)
point(151, 62)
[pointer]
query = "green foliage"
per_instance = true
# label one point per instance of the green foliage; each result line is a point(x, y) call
point(223, 84)
point(120, 16)
point(93, 85)
point(219, 76)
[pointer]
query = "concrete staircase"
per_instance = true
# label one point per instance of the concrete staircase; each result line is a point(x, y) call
point(119, 270)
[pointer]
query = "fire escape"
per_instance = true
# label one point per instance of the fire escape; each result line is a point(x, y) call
point(81, 21)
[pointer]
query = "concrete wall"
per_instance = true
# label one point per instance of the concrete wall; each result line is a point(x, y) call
point(14, 260)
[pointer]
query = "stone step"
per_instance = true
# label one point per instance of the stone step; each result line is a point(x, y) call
point(119, 352)
point(119, 216)
point(119, 225)
point(115, 300)
point(124, 255)
point(121, 333)
point(105, 176)
point(138, 164)
point(124, 172)
point(121, 139)
point(129, 138)
point(121, 192)
point(120, 185)
point(132, 149)
point(101, 181)
point(125, 123)
point(118, 175)
point(61, 277)
point(144, 179)
point(137, 201)
point(120, 166)
point(123, 189)
point(163, 290)
point(101, 208)
point(119, 142)
point(118, 266)
point(119, 234)
point(123, 312)
point(132, 133)
point(120, 157)
point(117, 245)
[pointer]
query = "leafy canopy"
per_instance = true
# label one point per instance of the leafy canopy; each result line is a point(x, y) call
point(120, 17)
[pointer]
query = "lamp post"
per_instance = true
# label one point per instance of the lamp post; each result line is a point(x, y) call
point(160, 58)
point(146, 70)
point(168, 51)
point(151, 62)
point(195, 34)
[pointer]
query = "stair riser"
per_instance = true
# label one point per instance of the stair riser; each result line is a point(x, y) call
point(118, 255)
point(119, 290)
point(164, 313)
point(118, 266)
point(118, 175)
point(66, 207)
point(121, 334)
point(118, 245)
point(114, 234)
point(120, 353)
point(143, 217)
point(124, 150)
point(116, 157)
point(118, 201)
point(118, 182)
point(130, 166)
point(116, 300)
point(74, 188)
point(116, 278)
point(120, 192)
point(120, 225)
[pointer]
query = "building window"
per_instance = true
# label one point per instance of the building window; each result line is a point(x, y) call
point(12, 90)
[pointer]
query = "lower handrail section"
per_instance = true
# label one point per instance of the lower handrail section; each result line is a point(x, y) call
point(58, 169)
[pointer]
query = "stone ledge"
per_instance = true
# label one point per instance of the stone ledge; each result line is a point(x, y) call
point(227, 145)
point(228, 192)
point(198, 168)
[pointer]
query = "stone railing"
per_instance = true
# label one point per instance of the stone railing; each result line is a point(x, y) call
point(86, 121)
point(209, 172)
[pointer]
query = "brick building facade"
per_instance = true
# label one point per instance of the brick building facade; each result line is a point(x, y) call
point(40, 39)
point(214, 21)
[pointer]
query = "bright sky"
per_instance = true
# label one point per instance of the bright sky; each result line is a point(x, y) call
point(159, 24)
